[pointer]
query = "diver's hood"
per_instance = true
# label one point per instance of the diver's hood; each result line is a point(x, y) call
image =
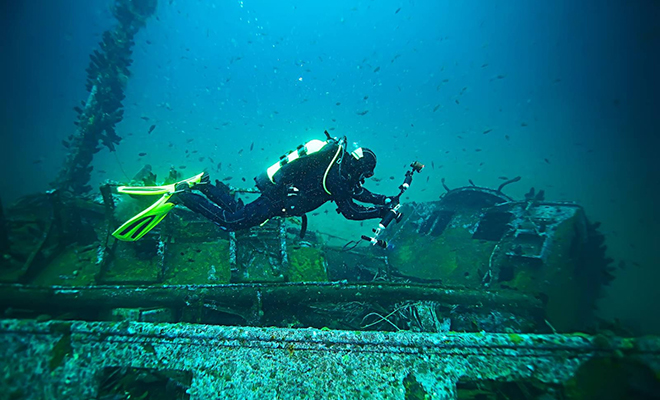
point(361, 163)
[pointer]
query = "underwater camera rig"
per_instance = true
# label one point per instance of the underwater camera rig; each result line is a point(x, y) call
point(393, 214)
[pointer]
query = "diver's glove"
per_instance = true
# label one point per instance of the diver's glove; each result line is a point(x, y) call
point(383, 211)
point(391, 201)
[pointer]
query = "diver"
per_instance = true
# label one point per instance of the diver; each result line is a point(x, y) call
point(300, 182)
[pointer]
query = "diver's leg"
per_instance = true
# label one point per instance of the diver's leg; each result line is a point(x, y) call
point(221, 195)
point(251, 215)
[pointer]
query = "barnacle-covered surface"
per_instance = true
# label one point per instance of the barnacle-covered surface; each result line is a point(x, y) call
point(59, 359)
point(107, 76)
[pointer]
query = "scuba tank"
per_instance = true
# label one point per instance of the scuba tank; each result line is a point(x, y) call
point(314, 157)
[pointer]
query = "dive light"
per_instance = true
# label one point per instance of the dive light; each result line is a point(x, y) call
point(393, 214)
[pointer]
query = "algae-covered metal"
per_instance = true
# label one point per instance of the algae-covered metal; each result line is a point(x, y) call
point(63, 360)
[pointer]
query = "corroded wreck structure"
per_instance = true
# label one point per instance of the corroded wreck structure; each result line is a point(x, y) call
point(488, 307)
point(477, 295)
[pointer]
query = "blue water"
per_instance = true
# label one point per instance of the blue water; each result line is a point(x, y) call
point(562, 93)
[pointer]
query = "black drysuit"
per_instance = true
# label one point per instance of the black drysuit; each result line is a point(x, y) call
point(296, 191)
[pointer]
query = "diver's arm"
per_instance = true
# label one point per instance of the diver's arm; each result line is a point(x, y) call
point(356, 212)
point(365, 196)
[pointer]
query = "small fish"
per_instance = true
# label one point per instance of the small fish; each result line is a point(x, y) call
point(182, 167)
point(457, 102)
point(397, 10)
point(436, 108)
point(477, 150)
point(201, 159)
point(506, 137)
point(546, 160)
point(365, 98)
point(392, 178)
point(432, 165)
point(151, 128)
point(484, 65)
point(36, 162)
point(523, 124)
point(376, 179)
point(66, 144)
point(189, 140)
point(504, 178)
point(487, 131)
point(240, 151)
point(471, 183)
point(427, 178)
point(243, 179)
point(377, 69)
point(219, 167)
point(337, 103)
point(227, 178)
point(252, 146)
point(362, 112)
point(144, 118)
point(142, 154)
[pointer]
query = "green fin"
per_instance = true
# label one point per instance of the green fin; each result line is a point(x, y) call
point(155, 190)
point(138, 226)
